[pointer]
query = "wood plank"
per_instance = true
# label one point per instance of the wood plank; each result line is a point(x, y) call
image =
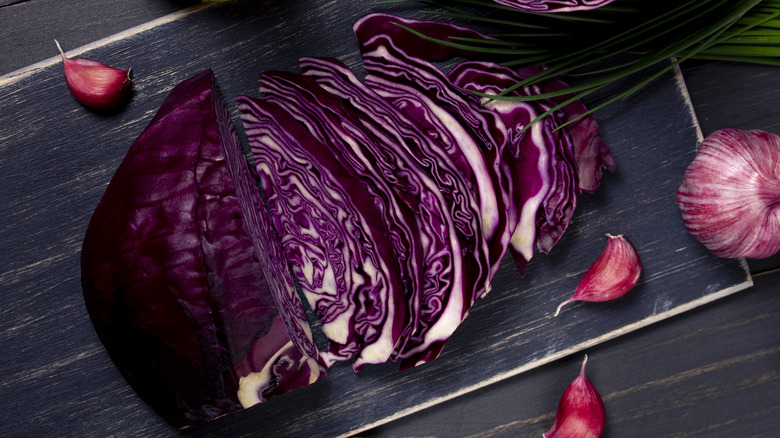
point(30, 26)
point(68, 154)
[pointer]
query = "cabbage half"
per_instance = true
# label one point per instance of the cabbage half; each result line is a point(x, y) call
point(173, 281)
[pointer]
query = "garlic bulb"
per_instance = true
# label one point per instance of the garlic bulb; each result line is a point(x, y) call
point(730, 194)
point(611, 276)
point(95, 85)
point(580, 412)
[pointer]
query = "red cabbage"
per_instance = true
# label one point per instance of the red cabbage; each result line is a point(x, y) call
point(572, 165)
point(171, 279)
point(389, 202)
point(550, 181)
point(527, 156)
point(591, 152)
point(333, 235)
point(451, 117)
point(425, 179)
point(410, 128)
point(554, 5)
point(339, 128)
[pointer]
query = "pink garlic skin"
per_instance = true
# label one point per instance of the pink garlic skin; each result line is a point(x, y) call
point(611, 276)
point(730, 194)
point(580, 412)
point(95, 85)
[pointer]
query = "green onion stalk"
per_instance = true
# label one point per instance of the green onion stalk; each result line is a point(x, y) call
point(625, 38)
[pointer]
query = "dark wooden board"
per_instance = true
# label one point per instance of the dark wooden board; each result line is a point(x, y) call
point(57, 158)
point(30, 26)
point(711, 372)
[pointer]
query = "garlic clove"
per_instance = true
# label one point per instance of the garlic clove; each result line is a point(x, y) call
point(580, 412)
point(611, 276)
point(730, 194)
point(95, 85)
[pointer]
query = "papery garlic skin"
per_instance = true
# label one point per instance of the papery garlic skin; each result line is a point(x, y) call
point(730, 194)
point(95, 85)
point(612, 275)
point(580, 412)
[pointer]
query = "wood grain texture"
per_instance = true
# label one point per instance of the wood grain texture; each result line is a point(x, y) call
point(29, 27)
point(689, 376)
point(69, 154)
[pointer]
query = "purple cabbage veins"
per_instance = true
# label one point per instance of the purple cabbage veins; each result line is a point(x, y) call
point(554, 5)
point(333, 234)
point(426, 180)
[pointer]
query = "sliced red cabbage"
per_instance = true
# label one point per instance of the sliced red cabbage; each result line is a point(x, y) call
point(528, 155)
point(427, 182)
point(338, 127)
point(580, 159)
point(391, 202)
point(170, 276)
point(590, 152)
point(544, 170)
point(332, 233)
point(451, 117)
point(554, 5)
point(561, 200)
point(577, 154)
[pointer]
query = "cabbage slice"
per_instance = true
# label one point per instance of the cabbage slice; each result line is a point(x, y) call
point(339, 128)
point(427, 181)
point(568, 161)
point(333, 234)
point(528, 155)
point(544, 172)
point(452, 119)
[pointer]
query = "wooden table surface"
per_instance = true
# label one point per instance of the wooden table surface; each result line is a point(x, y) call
point(713, 371)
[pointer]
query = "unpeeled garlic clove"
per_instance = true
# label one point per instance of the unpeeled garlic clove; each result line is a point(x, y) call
point(95, 85)
point(611, 276)
point(580, 412)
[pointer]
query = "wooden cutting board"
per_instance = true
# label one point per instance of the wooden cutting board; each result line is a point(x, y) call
point(57, 158)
